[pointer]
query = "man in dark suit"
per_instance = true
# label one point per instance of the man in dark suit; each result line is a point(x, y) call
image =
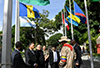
point(17, 61)
point(54, 58)
point(78, 60)
point(30, 56)
point(40, 56)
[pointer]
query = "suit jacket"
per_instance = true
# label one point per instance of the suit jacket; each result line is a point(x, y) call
point(30, 57)
point(40, 56)
point(51, 58)
point(17, 61)
point(78, 54)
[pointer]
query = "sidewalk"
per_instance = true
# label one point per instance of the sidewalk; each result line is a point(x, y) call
point(87, 57)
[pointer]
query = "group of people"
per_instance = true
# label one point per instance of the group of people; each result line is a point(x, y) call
point(70, 56)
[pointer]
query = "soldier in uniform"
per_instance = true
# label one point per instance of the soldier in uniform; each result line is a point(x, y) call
point(67, 54)
point(46, 56)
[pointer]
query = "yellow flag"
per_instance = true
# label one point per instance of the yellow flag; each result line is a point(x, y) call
point(75, 18)
point(30, 12)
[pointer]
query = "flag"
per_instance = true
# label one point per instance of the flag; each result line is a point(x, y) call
point(95, 0)
point(75, 19)
point(25, 22)
point(28, 11)
point(65, 21)
point(79, 13)
point(36, 2)
point(66, 24)
point(74, 22)
point(63, 18)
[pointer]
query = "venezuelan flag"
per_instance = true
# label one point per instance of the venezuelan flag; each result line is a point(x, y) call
point(63, 59)
point(28, 11)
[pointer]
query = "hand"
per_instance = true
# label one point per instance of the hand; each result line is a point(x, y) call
point(36, 65)
point(59, 65)
point(77, 64)
point(45, 59)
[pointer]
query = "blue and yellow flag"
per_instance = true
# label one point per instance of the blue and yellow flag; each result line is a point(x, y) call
point(75, 19)
point(79, 13)
point(28, 11)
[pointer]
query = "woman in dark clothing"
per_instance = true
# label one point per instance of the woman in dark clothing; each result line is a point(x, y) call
point(40, 56)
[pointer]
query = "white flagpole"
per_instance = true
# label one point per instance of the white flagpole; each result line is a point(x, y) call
point(17, 24)
point(89, 36)
point(71, 20)
point(64, 20)
point(6, 45)
point(62, 23)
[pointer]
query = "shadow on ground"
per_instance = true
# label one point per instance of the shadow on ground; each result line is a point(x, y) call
point(86, 64)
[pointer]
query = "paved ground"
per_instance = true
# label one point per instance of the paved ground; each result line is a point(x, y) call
point(86, 62)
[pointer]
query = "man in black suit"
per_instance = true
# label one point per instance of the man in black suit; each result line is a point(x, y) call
point(54, 58)
point(30, 56)
point(78, 60)
point(17, 61)
point(40, 56)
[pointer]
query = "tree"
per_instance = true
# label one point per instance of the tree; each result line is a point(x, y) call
point(53, 40)
point(80, 32)
point(30, 34)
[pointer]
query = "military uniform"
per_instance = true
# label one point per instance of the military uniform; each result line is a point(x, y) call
point(46, 53)
point(67, 56)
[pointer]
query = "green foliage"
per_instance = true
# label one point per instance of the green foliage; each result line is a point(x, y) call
point(28, 35)
point(80, 32)
point(53, 40)
point(95, 54)
point(0, 32)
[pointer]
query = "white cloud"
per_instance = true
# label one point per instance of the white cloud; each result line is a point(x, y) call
point(53, 19)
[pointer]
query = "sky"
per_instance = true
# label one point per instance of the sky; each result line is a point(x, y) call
point(54, 7)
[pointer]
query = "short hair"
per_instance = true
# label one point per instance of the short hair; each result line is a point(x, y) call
point(38, 45)
point(18, 44)
point(30, 43)
point(73, 41)
point(44, 45)
point(54, 46)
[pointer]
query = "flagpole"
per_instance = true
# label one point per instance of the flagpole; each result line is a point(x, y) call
point(71, 20)
point(65, 25)
point(62, 23)
point(17, 24)
point(89, 36)
point(6, 45)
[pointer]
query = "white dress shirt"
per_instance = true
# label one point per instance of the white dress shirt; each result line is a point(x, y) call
point(74, 45)
point(55, 56)
point(17, 50)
